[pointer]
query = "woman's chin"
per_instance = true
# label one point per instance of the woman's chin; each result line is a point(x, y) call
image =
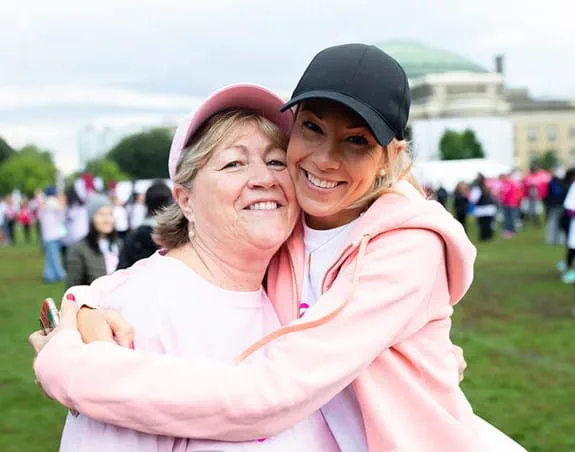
point(268, 240)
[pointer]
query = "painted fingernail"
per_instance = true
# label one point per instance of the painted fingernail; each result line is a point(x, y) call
point(70, 297)
point(132, 345)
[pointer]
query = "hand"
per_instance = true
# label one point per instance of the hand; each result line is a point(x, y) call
point(99, 325)
point(39, 339)
point(68, 310)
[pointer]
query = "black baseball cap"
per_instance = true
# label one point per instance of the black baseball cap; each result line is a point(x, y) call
point(366, 80)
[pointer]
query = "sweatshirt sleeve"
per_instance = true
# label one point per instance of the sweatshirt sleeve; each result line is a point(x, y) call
point(302, 370)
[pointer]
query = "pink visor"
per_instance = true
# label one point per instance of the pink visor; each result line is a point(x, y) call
point(242, 95)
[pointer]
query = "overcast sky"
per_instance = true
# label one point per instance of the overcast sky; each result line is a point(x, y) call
point(68, 63)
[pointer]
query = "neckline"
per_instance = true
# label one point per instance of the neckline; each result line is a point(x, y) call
point(322, 237)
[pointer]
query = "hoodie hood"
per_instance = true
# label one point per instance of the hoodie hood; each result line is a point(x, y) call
point(406, 208)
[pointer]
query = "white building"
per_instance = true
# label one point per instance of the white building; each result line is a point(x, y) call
point(96, 139)
point(450, 92)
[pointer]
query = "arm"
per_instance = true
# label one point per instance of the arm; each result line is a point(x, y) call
point(169, 395)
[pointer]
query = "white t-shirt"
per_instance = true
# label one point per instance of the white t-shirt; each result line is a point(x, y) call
point(137, 215)
point(2, 213)
point(342, 413)
point(569, 204)
point(121, 218)
point(77, 224)
point(51, 219)
point(111, 253)
point(174, 311)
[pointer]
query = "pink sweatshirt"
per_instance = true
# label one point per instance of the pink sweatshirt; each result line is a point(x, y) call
point(382, 323)
point(214, 323)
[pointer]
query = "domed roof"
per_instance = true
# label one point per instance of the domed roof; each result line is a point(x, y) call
point(419, 59)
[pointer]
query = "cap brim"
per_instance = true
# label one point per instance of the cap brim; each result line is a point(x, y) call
point(242, 95)
point(381, 131)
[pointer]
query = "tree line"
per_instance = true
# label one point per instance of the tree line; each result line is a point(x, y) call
point(139, 156)
point(145, 155)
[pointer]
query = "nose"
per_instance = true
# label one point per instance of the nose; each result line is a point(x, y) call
point(325, 157)
point(262, 176)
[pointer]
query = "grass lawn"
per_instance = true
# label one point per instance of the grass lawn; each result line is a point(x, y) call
point(515, 326)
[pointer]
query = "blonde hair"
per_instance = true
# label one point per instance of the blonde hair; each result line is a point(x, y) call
point(172, 226)
point(397, 165)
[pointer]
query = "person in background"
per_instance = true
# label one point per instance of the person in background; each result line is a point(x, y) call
point(138, 211)
point(442, 196)
point(10, 215)
point(534, 191)
point(121, 220)
point(96, 254)
point(569, 276)
point(51, 218)
point(25, 219)
point(556, 193)
point(139, 244)
point(76, 220)
point(566, 224)
point(485, 208)
point(510, 198)
point(461, 203)
point(3, 239)
point(35, 204)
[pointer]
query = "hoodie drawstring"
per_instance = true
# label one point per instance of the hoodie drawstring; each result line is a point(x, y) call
point(312, 324)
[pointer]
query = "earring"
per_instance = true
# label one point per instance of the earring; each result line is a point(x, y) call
point(191, 231)
point(381, 172)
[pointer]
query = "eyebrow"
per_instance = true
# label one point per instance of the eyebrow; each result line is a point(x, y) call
point(354, 123)
point(270, 147)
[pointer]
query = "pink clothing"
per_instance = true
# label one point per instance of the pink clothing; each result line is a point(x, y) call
point(177, 313)
point(25, 216)
point(537, 182)
point(383, 323)
point(511, 193)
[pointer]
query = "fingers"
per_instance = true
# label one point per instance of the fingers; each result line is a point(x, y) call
point(93, 326)
point(122, 330)
point(37, 340)
point(68, 312)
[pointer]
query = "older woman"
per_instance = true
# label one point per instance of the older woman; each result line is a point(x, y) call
point(202, 295)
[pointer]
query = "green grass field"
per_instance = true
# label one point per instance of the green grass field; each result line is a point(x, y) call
point(515, 326)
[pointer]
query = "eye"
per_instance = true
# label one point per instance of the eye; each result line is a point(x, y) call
point(312, 126)
point(358, 140)
point(234, 164)
point(277, 163)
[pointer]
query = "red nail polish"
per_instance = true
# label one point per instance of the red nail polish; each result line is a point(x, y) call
point(132, 345)
point(70, 297)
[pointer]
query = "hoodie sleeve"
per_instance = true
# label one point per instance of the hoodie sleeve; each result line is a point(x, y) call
point(303, 369)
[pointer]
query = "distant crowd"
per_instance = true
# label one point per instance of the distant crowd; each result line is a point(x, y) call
point(515, 201)
point(84, 232)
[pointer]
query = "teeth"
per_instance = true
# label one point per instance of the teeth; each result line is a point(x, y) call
point(320, 183)
point(269, 205)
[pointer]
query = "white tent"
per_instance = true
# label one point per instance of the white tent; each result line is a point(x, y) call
point(449, 172)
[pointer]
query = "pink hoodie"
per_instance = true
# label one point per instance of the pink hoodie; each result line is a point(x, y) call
point(383, 323)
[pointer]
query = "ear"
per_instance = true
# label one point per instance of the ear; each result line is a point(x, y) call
point(398, 145)
point(183, 198)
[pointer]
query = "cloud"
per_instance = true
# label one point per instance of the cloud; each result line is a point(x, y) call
point(14, 97)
